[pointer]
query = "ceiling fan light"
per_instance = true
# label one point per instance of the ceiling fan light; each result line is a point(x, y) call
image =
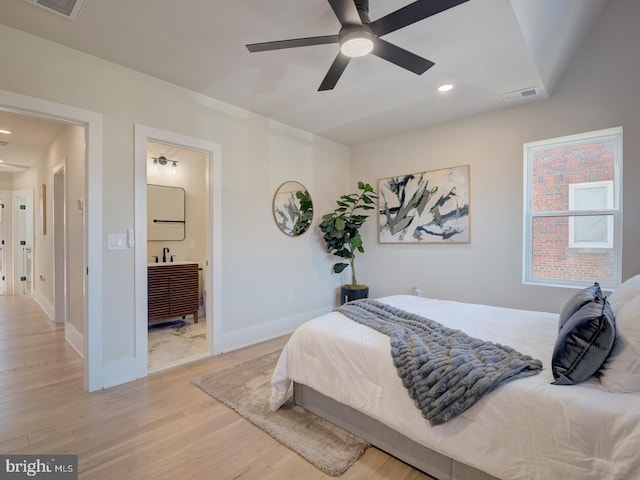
point(357, 47)
point(357, 44)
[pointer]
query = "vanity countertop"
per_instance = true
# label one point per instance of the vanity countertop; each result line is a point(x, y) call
point(175, 262)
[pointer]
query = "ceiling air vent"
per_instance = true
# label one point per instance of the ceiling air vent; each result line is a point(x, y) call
point(69, 9)
point(521, 94)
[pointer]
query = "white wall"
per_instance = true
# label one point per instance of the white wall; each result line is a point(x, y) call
point(259, 263)
point(68, 149)
point(599, 90)
point(5, 181)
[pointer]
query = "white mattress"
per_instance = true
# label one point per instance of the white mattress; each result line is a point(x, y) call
point(527, 429)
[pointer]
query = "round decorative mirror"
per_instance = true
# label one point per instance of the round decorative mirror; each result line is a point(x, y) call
point(292, 208)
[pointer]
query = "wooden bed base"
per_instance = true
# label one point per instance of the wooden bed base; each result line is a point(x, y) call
point(385, 438)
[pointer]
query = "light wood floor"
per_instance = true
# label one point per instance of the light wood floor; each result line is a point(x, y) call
point(157, 427)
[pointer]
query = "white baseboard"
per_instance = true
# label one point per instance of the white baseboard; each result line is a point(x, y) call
point(127, 369)
point(47, 307)
point(71, 334)
point(118, 372)
point(74, 338)
point(260, 333)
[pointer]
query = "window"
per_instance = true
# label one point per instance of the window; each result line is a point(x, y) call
point(572, 222)
point(591, 231)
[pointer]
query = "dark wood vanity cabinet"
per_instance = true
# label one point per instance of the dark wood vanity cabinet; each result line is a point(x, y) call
point(172, 291)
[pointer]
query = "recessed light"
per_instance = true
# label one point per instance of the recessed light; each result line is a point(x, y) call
point(445, 88)
point(5, 131)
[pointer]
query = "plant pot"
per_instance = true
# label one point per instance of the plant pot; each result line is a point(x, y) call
point(348, 294)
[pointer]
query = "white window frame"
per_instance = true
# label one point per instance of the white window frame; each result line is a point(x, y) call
point(575, 187)
point(614, 213)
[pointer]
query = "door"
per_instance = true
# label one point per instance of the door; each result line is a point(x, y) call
point(22, 241)
point(3, 247)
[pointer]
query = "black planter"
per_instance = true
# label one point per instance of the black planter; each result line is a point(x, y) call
point(350, 294)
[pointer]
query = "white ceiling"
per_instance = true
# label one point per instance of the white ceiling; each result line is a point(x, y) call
point(484, 47)
point(28, 141)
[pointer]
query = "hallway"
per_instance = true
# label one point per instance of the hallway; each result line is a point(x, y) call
point(34, 357)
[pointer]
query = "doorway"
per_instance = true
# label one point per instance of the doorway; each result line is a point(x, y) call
point(4, 272)
point(59, 246)
point(176, 242)
point(91, 235)
point(211, 275)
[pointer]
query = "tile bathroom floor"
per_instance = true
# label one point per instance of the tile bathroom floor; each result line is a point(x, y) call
point(176, 341)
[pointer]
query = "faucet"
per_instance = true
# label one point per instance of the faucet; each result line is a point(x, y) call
point(165, 250)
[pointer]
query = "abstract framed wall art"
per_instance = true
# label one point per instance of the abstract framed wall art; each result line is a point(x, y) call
point(426, 207)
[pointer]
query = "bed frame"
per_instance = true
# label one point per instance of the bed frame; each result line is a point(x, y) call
point(385, 438)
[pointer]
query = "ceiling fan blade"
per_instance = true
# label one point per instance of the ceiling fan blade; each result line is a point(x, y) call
point(335, 72)
point(401, 57)
point(294, 42)
point(346, 12)
point(412, 13)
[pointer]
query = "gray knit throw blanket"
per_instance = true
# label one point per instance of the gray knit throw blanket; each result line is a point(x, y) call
point(445, 370)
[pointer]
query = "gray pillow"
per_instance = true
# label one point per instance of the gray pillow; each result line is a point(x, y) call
point(575, 303)
point(583, 344)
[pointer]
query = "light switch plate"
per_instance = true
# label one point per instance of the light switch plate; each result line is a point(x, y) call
point(116, 241)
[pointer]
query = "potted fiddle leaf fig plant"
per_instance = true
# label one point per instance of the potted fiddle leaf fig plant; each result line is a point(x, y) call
point(341, 232)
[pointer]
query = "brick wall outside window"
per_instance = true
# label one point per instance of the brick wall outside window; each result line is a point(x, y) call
point(553, 171)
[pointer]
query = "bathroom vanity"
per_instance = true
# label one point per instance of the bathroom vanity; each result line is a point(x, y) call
point(172, 290)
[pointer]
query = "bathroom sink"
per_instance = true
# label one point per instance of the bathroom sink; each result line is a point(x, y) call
point(175, 262)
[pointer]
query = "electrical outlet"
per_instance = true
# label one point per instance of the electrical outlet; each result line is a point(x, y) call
point(290, 296)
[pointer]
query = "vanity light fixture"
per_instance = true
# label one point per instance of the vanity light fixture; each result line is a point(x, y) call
point(162, 160)
point(7, 132)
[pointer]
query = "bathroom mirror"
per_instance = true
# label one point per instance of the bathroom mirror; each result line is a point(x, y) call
point(292, 208)
point(165, 213)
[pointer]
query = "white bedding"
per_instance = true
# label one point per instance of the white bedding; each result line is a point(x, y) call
point(527, 429)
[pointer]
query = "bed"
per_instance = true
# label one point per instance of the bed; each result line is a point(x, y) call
point(525, 429)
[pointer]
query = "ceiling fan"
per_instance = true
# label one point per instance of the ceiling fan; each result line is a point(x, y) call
point(360, 36)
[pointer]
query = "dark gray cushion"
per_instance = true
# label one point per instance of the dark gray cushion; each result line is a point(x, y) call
point(583, 344)
point(575, 303)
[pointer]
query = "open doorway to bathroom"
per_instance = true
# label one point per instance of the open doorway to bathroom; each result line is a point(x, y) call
point(204, 213)
point(177, 254)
